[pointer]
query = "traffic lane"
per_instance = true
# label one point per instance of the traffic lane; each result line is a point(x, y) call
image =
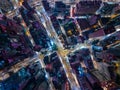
point(67, 68)
point(4, 74)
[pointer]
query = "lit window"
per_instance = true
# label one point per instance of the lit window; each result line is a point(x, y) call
point(69, 32)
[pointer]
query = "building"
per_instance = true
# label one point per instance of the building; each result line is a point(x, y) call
point(6, 6)
point(46, 5)
point(14, 44)
point(110, 0)
point(87, 7)
point(65, 1)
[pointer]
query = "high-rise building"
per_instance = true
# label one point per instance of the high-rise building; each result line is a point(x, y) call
point(37, 30)
point(56, 24)
point(87, 7)
point(14, 43)
point(39, 34)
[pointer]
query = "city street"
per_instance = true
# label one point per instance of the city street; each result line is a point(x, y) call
point(59, 45)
